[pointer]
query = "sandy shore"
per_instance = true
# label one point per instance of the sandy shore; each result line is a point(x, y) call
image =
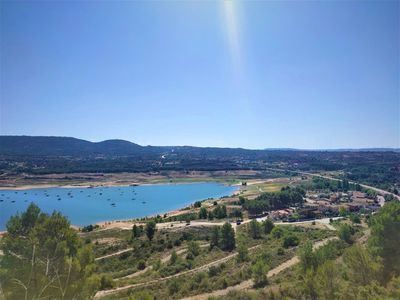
point(82, 180)
point(125, 223)
point(128, 223)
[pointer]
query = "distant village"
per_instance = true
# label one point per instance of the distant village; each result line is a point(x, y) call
point(333, 204)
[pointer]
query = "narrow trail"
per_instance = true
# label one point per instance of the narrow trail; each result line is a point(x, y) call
point(249, 283)
point(113, 254)
point(163, 260)
point(104, 293)
point(243, 285)
point(181, 251)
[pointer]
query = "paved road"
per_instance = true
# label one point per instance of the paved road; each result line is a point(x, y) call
point(383, 192)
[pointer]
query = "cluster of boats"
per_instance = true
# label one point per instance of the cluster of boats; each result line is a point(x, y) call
point(70, 195)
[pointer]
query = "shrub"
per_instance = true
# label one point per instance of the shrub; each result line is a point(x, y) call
point(194, 248)
point(174, 258)
point(197, 204)
point(268, 225)
point(106, 282)
point(254, 229)
point(277, 232)
point(173, 286)
point(214, 271)
point(290, 241)
point(346, 232)
point(259, 271)
point(141, 265)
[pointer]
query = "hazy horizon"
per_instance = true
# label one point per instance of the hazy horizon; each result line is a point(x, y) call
point(255, 75)
point(211, 146)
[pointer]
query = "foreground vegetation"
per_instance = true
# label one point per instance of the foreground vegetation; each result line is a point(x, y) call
point(345, 269)
point(356, 257)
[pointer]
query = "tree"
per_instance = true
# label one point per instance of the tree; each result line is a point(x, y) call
point(306, 255)
point(203, 213)
point(193, 248)
point(197, 204)
point(355, 218)
point(214, 240)
point(136, 231)
point(227, 241)
point(328, 280)
point(142, 295)
point(236, 213)
point(173, 286)
point(360, 265)
point(259, 273)
point(309, 286)
point(243, 253)
point(254, 229)
point(60, 266)
point(141, 264)
point(106, 282)
point(385, 237)
point(267, 225)
point(220, 212)
point(173, 258)
point(277, 232)
point(150, 229)
point(290, 241)
point(242, 200)
point(346, 233)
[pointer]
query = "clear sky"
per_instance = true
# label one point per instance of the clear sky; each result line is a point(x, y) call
point(312, 74)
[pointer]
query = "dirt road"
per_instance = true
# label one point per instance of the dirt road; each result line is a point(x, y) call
point(104, 293)
point(249, 283)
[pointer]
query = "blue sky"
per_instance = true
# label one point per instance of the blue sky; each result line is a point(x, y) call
point(315, 74)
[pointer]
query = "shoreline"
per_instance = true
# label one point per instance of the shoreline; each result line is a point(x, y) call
point(26, 181)
point(105, 185)
point(171, 213)
point(107, 224)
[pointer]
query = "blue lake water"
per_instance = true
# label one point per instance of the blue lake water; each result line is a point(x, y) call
point(85, 206)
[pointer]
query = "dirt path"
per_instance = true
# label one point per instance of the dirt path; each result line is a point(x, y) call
point(104, 293)
point(113, 254)
point(244, 285)
point(163, 260)
point(249, 283)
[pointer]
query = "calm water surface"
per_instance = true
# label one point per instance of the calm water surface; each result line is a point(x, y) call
point(85, 206)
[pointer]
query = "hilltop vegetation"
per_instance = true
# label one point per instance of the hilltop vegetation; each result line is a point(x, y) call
point(343, 270)
point(44, 155)
point(44, 257)
point(278, 200)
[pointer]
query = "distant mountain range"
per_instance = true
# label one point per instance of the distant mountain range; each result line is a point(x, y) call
point(68, 146)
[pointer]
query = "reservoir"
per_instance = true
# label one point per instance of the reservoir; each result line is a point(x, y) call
point(85, 206)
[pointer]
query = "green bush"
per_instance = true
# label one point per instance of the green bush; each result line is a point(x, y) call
point(141, 265)
point(290, 241)
point(277, 232)
point(106, 282)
